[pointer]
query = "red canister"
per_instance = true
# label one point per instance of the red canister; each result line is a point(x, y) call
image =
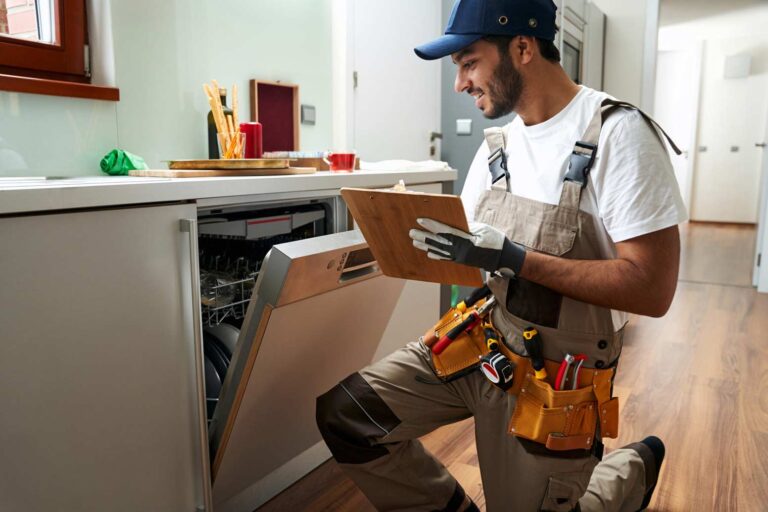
point(253, 143)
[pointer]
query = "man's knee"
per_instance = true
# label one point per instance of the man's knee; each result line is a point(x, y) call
point(351, 418)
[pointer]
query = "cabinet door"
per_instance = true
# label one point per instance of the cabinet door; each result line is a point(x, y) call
point(98, 392)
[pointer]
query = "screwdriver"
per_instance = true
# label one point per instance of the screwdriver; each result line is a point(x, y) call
point(491, 337)
point(430, 338)
point(476, 295)
point(532, 342)
point(472, 319)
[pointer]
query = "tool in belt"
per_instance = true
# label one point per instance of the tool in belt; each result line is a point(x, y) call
point(546, 412)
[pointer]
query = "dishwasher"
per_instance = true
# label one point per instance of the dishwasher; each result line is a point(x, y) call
point(283, 290)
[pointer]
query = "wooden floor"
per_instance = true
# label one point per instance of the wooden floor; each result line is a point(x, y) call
point(717, 253)
point(697, 378)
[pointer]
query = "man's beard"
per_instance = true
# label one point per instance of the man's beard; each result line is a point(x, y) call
point(504, 89)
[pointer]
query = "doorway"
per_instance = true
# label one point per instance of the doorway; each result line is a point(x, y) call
point(717, 113)
point(386, 99)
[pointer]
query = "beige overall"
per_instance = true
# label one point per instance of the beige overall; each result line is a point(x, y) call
point(372, 419)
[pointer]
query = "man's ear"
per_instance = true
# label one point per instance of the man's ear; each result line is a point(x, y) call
point(523, 48)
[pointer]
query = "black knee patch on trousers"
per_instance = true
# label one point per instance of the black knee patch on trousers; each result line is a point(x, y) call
point(457, 500)
point(351, 416)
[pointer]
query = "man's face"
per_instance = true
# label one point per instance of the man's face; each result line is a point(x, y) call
point(490, 77)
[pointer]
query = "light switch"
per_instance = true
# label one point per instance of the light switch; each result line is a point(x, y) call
point(307, 114)
point(463, 127)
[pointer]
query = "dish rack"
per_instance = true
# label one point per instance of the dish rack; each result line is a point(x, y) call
point(232, 245)
point(216, 304)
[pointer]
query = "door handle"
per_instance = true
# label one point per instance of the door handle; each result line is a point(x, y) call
point(760, 144)
point(189, 226)
point(435, 135)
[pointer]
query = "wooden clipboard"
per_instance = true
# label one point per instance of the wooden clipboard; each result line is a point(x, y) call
point(386, 216)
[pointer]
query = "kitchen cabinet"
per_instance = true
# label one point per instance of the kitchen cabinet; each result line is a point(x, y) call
point(98, 385)
point(103, 404)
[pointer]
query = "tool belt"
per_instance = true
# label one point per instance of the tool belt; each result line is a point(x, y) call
point(560, 420)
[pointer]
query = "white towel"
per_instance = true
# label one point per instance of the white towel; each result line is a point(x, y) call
point(405, 165)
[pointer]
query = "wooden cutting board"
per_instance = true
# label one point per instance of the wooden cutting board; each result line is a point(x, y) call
point(318, 163)
point(208, 173)
point(231, 164)
point(385, 217)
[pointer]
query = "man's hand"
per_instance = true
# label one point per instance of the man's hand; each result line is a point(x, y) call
point(484, 246)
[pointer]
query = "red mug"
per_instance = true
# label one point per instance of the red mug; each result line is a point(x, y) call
point(253, 142)
point(340, 162)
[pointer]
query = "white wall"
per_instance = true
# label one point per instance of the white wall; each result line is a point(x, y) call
point(164, 52)
point(630, 34)
point(741, 23)
point(732, 112)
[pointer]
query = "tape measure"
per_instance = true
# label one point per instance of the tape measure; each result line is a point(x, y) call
point(498, 369)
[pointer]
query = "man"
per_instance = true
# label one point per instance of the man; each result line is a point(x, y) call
point(575, 211)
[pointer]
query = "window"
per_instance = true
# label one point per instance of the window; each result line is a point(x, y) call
point(572, 57)
point(43, 49)
point(43, 39)
point(28, 19)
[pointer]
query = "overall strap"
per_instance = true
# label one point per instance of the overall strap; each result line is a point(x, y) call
point(583, 156)
point(497, 158)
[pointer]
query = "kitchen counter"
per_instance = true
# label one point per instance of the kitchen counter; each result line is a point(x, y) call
point(20, 195)
point(101, 303)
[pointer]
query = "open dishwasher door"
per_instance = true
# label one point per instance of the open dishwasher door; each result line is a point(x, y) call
point(317, 314)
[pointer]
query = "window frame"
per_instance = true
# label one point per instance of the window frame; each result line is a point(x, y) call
point(62, 61)
point(58, 69)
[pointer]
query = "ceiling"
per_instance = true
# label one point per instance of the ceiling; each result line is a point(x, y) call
point(680, 11)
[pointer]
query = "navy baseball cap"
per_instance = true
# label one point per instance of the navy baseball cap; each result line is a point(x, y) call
point(472, 19)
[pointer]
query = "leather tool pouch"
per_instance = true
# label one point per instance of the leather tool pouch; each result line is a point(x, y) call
point(560, 420)
point(568, 419)
point(463, 353)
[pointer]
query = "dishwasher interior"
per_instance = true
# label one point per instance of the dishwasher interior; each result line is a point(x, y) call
point(292, 303)
point(233, 242)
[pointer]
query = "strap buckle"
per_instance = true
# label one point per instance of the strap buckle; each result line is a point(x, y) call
point(497, 164)
point(582, 158)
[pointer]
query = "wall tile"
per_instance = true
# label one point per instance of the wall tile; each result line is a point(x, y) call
point(53, 136)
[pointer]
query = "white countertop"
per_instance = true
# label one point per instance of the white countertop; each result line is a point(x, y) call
point(19, 195)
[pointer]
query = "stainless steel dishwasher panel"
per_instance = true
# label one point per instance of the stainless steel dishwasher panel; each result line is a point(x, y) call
point(317, 314)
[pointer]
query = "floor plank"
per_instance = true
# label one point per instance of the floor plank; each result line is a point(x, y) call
point(717, 253)
point(697, 378)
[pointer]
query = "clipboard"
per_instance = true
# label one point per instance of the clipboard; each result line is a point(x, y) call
point(386, 216)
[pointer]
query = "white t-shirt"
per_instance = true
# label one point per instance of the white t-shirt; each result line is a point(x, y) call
point(631, 189)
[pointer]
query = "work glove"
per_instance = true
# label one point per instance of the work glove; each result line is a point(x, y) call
point(484, 246)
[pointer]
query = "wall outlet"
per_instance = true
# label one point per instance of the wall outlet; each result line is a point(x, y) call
point(463, 127)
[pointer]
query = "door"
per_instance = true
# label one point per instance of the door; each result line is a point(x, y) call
point(761, 266)
point(317, 314)
point(727, 177)
point(594, 43)
point(676, 108)
point(396, 94)
point(99, 393)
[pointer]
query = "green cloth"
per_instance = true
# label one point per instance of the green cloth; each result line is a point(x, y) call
point(118, 162)
point(454, 295)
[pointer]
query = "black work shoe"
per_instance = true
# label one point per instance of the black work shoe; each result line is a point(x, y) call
point(651, 450)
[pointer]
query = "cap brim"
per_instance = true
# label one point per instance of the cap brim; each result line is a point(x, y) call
point(445, 45)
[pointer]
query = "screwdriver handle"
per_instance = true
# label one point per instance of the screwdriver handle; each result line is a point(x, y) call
point(472, 298)
point(532, 342)
point(477, 294)
point(491, 339)
point(441, 345)
point(466, 324)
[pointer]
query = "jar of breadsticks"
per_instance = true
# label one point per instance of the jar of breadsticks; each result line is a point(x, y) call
point(231, 141)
